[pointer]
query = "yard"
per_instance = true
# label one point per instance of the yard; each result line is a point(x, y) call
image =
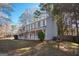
point(37, 48)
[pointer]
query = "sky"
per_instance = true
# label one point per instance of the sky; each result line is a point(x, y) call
point(19, 8)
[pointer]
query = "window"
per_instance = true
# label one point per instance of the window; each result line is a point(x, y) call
point(27, 27)
point(23, 28)
point(44, 22)
point(32, 26)
point(38, 24)
point(41, 24)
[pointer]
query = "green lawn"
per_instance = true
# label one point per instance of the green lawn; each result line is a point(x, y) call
point(47, 48)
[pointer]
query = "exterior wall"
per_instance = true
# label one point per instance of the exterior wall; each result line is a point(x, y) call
point(48, 25)
point(51, 29)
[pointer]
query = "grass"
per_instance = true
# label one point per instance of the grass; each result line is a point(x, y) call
point(7, 45)
point(24, 47)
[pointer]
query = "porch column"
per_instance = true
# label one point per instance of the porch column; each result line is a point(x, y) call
point(35, 35)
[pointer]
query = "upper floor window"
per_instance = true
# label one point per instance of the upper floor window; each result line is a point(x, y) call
point(27, 27)
point(23, 28)
point(41, 23)
point(32, 26)
point(38, 24)
point(44, 22)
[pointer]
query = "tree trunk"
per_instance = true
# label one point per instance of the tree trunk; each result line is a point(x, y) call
point(76, 22)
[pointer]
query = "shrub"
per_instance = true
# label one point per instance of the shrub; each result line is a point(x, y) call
point(41, 36)
point(16, 37)
point(55, 38)
point(75, 39)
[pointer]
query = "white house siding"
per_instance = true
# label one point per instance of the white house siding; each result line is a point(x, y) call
point(51, 29)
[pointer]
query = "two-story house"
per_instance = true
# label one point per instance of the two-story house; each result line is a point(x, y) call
point(43, 23)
